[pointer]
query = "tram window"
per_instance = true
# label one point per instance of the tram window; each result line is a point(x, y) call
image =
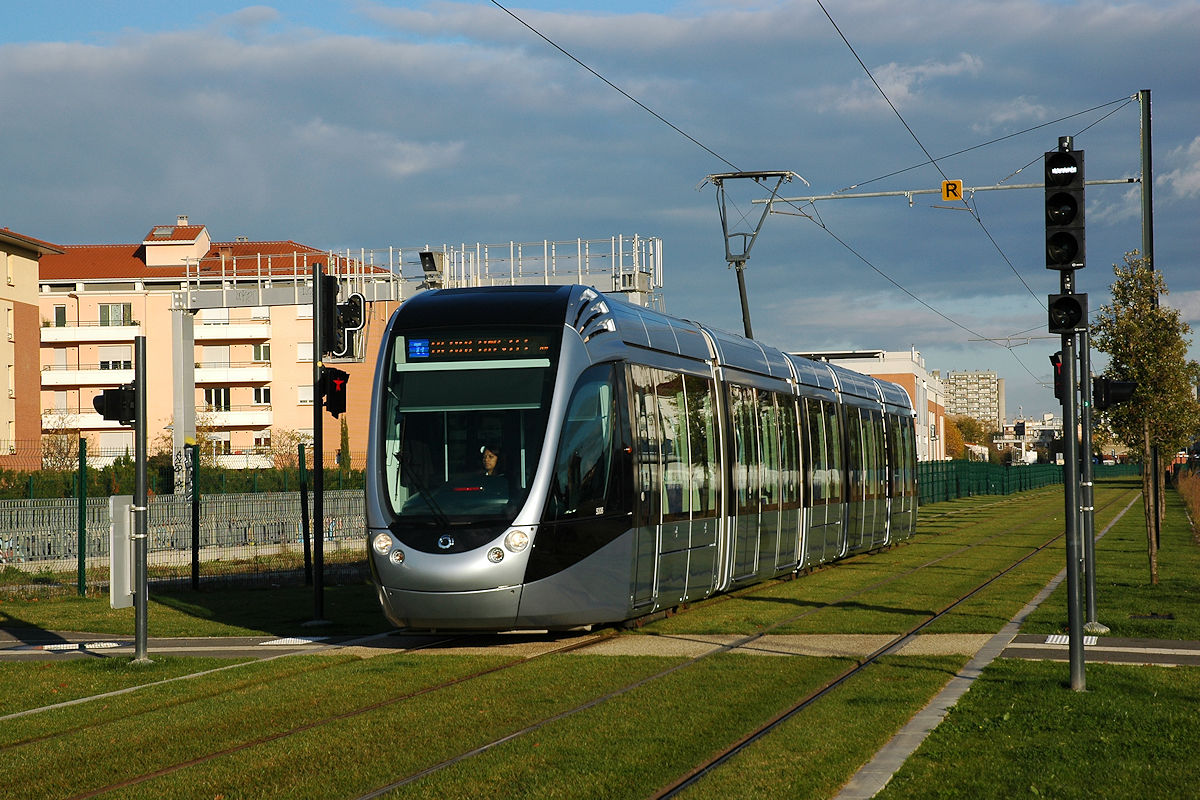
point(789, 453)
point(702, 444)
point(833, 439)
point(818, 448)
point(854, 454)
point(587, 447)
point(436, 421)
point(746, 481)
point(768, 416)
point(676, 455)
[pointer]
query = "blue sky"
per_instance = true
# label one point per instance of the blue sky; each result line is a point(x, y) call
point(369, 124)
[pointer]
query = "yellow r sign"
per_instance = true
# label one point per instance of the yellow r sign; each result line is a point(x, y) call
point(952, 191)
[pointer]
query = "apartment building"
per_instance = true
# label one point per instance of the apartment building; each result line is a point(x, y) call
point(978, 394)
point(906, 368)
point(229, 324)
point(20, 423)
point(252, 363)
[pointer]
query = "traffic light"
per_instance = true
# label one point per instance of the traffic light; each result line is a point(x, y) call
point(1065, 243)
point(333, 389)
point(1057, 362)
point(1107, 392)
point(118, 404)
point(1067, 312)
point(328, 335)
point(350, 317)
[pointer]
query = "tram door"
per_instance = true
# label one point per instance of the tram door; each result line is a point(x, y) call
point(647, 478)
point(747, 457)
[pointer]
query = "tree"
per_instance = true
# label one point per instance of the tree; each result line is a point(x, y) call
point(955, 446)
point(1148, 343)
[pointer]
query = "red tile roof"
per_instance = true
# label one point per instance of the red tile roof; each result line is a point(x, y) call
point(128, 261)
point(173, 233)
point(21, 240)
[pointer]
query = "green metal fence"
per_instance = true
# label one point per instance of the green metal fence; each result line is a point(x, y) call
point(946, 480)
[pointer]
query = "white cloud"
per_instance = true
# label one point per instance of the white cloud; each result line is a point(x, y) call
point(369, 150)
point(1184, 180)
point(903, 84)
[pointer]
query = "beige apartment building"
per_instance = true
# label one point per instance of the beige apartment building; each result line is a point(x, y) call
point(229, 328)
point(20, 423)
point(251, 364)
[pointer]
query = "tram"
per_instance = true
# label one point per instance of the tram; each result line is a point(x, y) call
point(548, 457)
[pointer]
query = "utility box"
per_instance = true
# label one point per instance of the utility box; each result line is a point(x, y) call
point(120, 551)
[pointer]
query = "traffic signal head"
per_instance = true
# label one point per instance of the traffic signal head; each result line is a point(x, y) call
point(1065, 243)
point(1107, 392)
point(119, 405)
point(1057, 362)
point(1067, 313)
point(333, 389)
point(328, 313)
point(351, 315)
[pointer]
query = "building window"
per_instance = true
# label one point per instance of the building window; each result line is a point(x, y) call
point(116, 357)
point(217, 399)
point(262, 441)
point(116, 314)
point(304, 395)
point(262, 395)
point(262, 352)
point(304, 311)
point(304, 351)
point(60, 316)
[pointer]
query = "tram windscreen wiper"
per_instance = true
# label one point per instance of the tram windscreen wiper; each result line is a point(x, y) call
point(410, 475)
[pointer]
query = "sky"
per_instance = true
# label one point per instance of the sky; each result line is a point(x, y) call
point(368, 124)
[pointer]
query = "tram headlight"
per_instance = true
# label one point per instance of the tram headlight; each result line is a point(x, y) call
point(382, 544)
point(495, 555)
point(516, 540)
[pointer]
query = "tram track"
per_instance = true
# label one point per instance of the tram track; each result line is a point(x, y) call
point(577, 644)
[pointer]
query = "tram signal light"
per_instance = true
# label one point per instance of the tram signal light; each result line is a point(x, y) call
point(1056, 361)
point(119, 405)
point(1107, 392)
point(1065, 241)
point(350, 316)
point(333, 390)
point(1067, 312)
point(329, 314)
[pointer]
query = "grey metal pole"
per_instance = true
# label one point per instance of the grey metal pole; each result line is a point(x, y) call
point(318, 521)
point(1087, 488)
point(140, 510)
point(81, 496)
point(1071, 507)
point(740, 268)
point(1148, 254)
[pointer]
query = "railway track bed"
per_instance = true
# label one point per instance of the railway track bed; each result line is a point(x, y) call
point(580, 715)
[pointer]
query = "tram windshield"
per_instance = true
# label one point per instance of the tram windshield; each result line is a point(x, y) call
point(464, 419)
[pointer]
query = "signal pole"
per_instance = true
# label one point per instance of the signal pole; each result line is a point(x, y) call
point(1067, 313)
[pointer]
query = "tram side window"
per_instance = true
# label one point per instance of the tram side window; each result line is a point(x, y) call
point(672, 410)
point(584, 466)
point(855, 466)
point(702, 437)
point(746, 479)
point(789, 453)
point(818, 453)
point(646, 426)
point(768, 416)
point(833, 439)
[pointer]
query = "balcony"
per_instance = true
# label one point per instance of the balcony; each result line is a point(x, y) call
point(71, 420)
point(232, 372)
point(57, 376)
point(237, 331)
point(237, 416)
point(91, 332)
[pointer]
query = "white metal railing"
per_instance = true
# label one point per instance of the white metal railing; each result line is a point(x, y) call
point(628, 264)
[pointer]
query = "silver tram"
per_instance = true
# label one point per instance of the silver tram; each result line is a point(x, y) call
point(638, 461)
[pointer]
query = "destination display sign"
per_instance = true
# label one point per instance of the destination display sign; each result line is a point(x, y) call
point(482, 347)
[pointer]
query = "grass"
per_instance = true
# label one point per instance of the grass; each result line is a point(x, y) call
point(1020, 733)
point(350, 609)
point(1126, 601)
